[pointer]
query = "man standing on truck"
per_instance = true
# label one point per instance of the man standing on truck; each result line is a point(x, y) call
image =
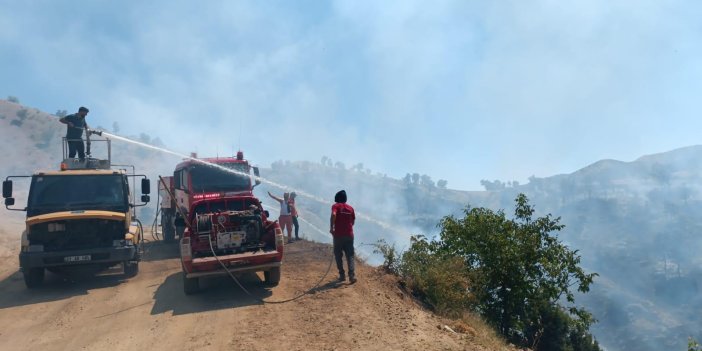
point(285, 218)
point(341, 224)
point(75, 124)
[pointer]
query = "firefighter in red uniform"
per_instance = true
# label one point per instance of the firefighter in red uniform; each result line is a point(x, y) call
point(341, 227)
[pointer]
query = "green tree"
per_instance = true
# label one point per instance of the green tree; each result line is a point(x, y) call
point(518, 267)
point(693, 345)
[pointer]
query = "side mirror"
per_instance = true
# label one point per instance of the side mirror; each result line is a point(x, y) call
point(9, 201)
point(145, 186)
point(7, 189)
point(145, 198)
point(266, 213)
point(179, 222)
point(258, 175)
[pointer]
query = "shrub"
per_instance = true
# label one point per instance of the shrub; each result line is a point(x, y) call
point(22, 114)
point(693, 345)
point(389, 253)
point(440, 282)
point(514, 272)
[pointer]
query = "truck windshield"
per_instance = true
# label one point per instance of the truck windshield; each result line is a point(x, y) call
point(207, 178)
point(77, 192)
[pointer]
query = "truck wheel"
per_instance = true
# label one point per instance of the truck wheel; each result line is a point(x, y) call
point(272, 276)
point(33, 277)
point(131, 268)
point(190, 285)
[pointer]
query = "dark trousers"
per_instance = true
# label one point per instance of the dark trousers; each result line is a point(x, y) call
point(297, 227)
point(76, 146)
point(344, 244)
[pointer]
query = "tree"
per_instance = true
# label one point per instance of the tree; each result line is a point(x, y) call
point(324, 160)
point(22, 114)
point(13, 99)
point(415, 178)
point(426, 181)
point(660, 174)
point(61, 113)
point(339, 165)
point(115, 127)
point(407, 179)
point(144, 138)
point(520, 271)
point(442, 183)
point(493, 186)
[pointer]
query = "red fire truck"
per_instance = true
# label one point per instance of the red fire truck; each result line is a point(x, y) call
point(197, 179)
point(223, 225)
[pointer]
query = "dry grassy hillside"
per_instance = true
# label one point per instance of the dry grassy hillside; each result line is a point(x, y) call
point(111, 312)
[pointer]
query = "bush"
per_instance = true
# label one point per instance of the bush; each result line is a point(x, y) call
point(22, 114)
point(440, 282)
point(514, 272)
point(693, 345)
point(13, 99)
point(389, 253)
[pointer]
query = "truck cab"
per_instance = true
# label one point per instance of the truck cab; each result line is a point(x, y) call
point(77, 216)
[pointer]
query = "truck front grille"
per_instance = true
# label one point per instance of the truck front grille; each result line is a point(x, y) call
point(76, 234)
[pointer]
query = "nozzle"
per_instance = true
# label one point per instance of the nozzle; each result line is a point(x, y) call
point(96, 132)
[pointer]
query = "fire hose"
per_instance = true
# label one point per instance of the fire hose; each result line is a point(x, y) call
point(231, 275)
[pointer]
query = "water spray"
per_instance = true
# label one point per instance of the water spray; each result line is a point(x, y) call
point(263, 180)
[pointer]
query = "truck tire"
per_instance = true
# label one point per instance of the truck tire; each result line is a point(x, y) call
point(190, 285)
point(131, 268)
point(167, 226)
point(272, 276)
point(33, 277)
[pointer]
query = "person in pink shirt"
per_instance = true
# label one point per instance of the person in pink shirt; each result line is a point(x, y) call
point(294, 214)
point(285, 218)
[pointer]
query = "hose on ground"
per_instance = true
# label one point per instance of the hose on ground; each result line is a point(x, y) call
point(259, 299)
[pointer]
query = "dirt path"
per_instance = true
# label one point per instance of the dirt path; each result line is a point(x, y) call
point(151, 312)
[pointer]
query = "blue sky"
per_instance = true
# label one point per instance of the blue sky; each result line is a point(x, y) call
point(458, 90)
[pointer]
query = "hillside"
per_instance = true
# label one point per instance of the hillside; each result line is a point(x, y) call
point(635, 223)
point(151, 311)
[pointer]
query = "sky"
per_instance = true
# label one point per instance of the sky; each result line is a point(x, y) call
point(459, 90)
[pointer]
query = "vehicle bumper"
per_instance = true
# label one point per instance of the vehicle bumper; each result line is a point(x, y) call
point(236, 263)
point(97, 255)
point(242, 269)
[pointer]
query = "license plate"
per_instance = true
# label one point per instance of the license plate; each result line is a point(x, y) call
point(229, 240)
point(76, 258)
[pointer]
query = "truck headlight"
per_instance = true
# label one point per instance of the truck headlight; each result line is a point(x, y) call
point(35, 248)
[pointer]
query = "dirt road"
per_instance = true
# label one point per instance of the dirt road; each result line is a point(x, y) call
point(151, 312)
